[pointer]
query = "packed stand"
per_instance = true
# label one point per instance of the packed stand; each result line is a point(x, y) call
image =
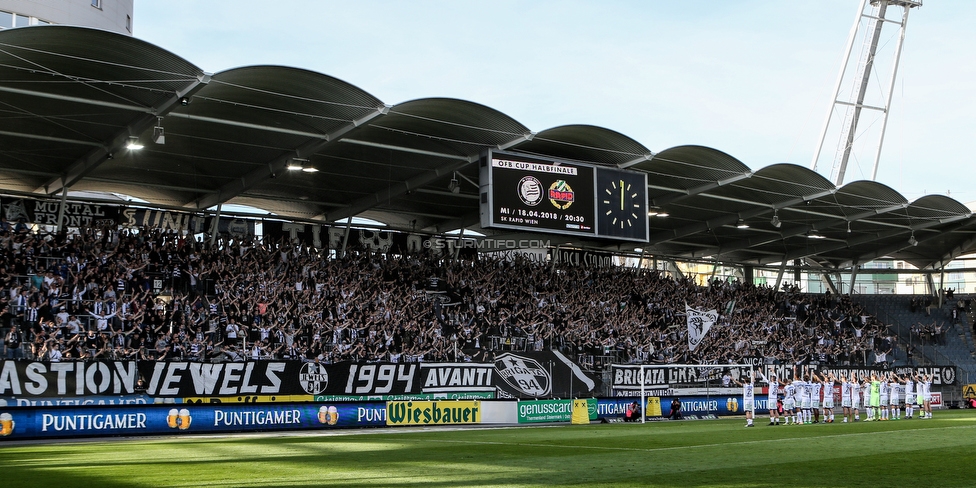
point(96, 294)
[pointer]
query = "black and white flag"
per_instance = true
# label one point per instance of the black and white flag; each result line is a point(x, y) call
point(699, 321)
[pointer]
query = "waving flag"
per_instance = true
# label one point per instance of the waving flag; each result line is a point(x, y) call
point(699, 321)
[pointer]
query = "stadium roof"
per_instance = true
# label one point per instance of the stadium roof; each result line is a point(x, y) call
point(70, 99)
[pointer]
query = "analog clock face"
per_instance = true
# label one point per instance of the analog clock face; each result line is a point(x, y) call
point(622, 204)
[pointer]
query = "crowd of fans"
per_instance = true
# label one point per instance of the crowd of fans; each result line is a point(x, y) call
point(96, 294)
point(938, 320)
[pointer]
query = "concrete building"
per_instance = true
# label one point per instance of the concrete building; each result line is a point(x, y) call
point(110, 15)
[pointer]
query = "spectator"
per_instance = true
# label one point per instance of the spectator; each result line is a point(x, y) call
point(14, 344)
point(675, 413)
point(633, 413)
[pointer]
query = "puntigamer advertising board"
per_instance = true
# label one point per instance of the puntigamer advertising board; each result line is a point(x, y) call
point(85, 421)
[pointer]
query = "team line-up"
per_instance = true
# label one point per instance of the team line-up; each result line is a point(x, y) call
point(809, 398)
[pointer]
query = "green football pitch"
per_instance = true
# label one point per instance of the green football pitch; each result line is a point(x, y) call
point(938, 452)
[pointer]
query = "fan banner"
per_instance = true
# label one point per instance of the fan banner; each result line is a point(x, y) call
point(541, 374)
point(699, 321)
point(46, 212)
point(627, 379)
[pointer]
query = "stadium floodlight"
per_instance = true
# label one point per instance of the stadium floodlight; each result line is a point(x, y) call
point(776, 222)
point(912, 240)
point(159, 137)
point(454, 186)
point(301, 164)
point(741, 224)
point(134, 144)
point(657, 212)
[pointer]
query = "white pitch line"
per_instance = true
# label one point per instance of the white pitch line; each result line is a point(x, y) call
point(697, 446)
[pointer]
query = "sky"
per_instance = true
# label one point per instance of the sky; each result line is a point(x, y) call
point(752, 78)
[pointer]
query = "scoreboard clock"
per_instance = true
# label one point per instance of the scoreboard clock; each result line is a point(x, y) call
point(621, 204)
point(537, 194)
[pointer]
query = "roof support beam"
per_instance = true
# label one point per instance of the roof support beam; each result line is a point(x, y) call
point(86, 101)
point(697, 190)
point(957, 251)
point(410, 150)
point(783, 204)
point(110, 181)
point(824, 224)
point(788, 205)
point(634, 162)
point(673, 267)
point(423, 152)
point(248, 181)
point(49, 138)
point(469, 196)
point(867, 238)
point(779, 275)
point(84, 165)
point(246, 125)
point(398, 189)
point(825, 278)
point(730, 218)
point(462, 222)
point(904, 245)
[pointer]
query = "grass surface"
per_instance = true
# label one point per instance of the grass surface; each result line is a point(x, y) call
point(938, 452)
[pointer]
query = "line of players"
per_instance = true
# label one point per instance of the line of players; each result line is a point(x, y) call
point(807, 396)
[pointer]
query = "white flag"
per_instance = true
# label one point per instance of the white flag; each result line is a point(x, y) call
point(699, 321)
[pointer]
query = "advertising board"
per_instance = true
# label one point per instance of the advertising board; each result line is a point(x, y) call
point(87, 421)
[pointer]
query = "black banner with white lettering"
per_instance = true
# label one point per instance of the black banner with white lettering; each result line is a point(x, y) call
point(45, 212)
point(509, 375)
point(628, 377)
point(582, 258)
point(67, 379)
point(311, 235)
point(163, 219)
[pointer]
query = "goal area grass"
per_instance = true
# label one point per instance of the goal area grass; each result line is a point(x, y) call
point(713, 453)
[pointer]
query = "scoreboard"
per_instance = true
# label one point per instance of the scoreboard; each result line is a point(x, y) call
point(536, 194)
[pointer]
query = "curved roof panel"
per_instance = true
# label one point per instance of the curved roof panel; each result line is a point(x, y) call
point(684, 168)
point(109, 67)
point(453, 121)
point(786, 182)
point(936, 208)
point(869, 196)
point(285, 97)
point(588, 143)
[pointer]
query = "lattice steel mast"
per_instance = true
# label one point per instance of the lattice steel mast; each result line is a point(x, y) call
point(855, 102)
